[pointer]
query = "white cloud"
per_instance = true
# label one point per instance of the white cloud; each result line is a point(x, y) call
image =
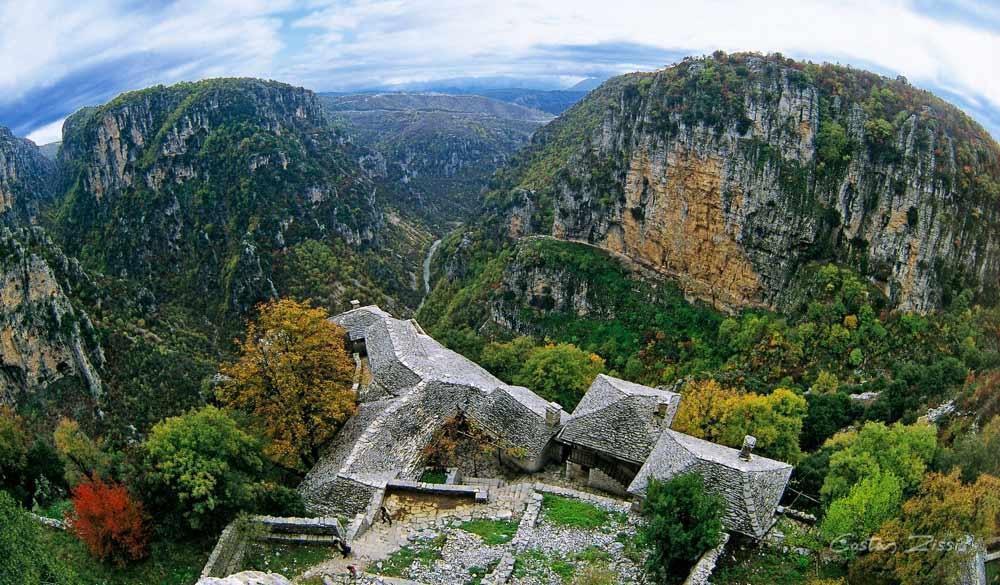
point(44, 40)
point(331, 44)
point(48, 133)
point(436, 38)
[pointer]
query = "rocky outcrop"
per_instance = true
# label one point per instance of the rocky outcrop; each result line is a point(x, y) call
point(199, 189)
point(26, 177)
point(246, 578)
point(43, 338)
point(732, 173)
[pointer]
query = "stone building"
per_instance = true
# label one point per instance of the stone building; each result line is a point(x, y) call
point(613, 430)
point(751, 485)
point(618, 436)
point(416, 386)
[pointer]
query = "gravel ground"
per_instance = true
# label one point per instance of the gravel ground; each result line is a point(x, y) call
point(548, 546)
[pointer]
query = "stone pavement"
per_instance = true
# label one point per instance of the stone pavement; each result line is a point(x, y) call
point(416, 516)
point(412, 513)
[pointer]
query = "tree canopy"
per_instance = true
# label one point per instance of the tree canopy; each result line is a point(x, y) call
point(683, 521)
point(293, 377)
point(902, 450)
point(725, 415)
point(201, 467)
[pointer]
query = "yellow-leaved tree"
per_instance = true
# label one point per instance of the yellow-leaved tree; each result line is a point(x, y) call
point(293, 377)
point(725, 415)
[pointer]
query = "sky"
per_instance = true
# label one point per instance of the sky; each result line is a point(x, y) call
point(59, 55)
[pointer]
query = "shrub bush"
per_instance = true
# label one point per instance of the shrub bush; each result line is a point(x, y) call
point(109, 521)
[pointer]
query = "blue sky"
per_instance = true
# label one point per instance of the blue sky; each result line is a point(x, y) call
point(59, 55)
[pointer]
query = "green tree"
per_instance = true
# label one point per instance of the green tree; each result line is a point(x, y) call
point(832, 144)
point(505, 359)
point(975, 454)
point(902, 450)
point(23, 558)
point(828, 413)
point(826, 383)
point(725, 415)
point(13, 447)
point(560, 372)
point(775, 420)
point(683, 521)
point(201, 468)
point(858, 515)
point(294, 378)
point(878, 131)
point(82, 457)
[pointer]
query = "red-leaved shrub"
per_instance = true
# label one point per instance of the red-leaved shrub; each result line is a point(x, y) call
point(109, 521)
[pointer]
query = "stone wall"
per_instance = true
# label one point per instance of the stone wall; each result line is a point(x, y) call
point(702, 570)
point(227, 556)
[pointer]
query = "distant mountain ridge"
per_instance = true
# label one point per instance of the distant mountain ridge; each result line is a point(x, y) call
point(438, 151)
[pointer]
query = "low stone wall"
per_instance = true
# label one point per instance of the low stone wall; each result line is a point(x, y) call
point(607, 503)
point(230, 549)
point(227, 556)
point(479, 494)
point(528, 521)
point(363, 521)
point(702, 570)
point(503, 571)
point(50, 522)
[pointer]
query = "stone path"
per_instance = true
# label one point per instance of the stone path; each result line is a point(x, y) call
point(419, 518)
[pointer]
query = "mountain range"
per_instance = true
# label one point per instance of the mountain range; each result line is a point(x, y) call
point(134, 251)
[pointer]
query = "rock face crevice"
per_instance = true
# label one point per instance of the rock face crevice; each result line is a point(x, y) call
point(734, 172)
point(43, 338)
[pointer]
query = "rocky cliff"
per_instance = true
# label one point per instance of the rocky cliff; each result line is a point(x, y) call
point(26, 177)
point(732, 173)
point(44, 340)
point(438, 151)
point(200, 191)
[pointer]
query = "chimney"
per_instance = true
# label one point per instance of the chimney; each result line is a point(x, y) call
point(662, 409)
point(553, 414)
point(749, 442)
point(355, 304)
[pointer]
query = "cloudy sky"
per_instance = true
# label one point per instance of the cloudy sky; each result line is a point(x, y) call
point(59, 55)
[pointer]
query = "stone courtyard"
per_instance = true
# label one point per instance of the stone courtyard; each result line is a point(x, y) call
point(535, 551)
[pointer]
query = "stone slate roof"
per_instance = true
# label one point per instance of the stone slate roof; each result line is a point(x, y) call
point(620, 419)
point(357, 320)
point(752, 489)
point(429, 384)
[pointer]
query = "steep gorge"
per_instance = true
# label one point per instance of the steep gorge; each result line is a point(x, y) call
point(733, 173)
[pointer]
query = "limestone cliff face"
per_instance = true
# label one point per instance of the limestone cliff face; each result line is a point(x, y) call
point(43, 338)
point(732, 172)
point(26, 177)
point(193, 189)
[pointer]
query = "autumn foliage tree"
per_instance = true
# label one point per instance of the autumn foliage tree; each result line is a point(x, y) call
point(109, 521)
point(293, 377)
point(82, 457)
point(936, 533)
point(725, 415)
